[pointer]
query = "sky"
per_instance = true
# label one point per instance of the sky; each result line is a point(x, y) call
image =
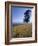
point(18, 14)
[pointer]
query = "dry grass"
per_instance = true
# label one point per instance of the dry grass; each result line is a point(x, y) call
point(24, 30)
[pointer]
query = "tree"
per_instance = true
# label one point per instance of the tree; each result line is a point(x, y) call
point(27, 16)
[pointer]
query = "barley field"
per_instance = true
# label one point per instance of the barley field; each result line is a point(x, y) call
point(21, 30)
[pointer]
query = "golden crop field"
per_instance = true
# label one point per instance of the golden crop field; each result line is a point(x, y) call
point(20, 31)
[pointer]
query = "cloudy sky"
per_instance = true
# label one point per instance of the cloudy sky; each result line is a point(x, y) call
point(18, 14)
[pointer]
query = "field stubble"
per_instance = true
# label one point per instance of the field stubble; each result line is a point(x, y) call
point(20, 31)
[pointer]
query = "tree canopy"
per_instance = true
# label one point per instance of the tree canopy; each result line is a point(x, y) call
point(27, 16)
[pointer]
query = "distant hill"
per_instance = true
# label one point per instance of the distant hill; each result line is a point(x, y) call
point(16, 24)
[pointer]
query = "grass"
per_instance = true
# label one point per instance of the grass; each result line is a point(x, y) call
point(20, 31)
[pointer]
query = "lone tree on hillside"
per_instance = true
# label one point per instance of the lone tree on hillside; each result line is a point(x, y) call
point(27, 16)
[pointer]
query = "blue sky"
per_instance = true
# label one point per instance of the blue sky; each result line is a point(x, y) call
point(18, 14)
